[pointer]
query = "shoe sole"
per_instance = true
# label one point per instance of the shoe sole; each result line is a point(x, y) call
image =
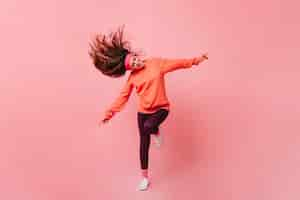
point(138, 189)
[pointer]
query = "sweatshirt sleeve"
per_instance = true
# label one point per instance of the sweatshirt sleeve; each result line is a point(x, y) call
point(169, 65)
point(120, 101)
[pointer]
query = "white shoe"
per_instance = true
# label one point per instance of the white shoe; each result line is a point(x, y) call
point(158, 139)
point(143, 185)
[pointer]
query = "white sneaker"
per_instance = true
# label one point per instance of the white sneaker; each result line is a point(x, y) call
point(143, 185)
point(158, 139)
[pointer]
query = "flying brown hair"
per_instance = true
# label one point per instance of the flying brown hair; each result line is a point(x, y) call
point(108, 53)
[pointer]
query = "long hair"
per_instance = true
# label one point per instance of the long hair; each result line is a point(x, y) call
point(108, 53)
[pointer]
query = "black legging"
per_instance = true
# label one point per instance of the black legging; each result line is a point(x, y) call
point(149, 124)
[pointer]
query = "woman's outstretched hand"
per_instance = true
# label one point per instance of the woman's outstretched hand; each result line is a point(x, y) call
point(205, 55)
point(103, 121)
point(200, 59)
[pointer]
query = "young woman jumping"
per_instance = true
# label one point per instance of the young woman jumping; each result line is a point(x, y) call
point(112, 55)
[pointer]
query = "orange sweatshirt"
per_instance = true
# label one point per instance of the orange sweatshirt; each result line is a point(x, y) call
point(149, 83)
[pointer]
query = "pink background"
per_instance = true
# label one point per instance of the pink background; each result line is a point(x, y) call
point(233, 131)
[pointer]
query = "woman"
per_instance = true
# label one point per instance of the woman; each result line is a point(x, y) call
point(113, 56)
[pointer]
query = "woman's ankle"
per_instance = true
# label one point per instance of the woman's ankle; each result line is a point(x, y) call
point(145, 173)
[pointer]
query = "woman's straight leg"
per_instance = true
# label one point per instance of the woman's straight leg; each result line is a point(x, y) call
point(144, 142)
point(148, 124)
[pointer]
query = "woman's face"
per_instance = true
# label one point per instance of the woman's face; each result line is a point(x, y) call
point(136, 62)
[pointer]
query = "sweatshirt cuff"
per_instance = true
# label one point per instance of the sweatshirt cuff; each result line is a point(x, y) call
point(108, 114)
point(195, 61)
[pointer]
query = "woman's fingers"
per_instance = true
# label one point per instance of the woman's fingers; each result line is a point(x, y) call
point(102, 122)
point(205, 55)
